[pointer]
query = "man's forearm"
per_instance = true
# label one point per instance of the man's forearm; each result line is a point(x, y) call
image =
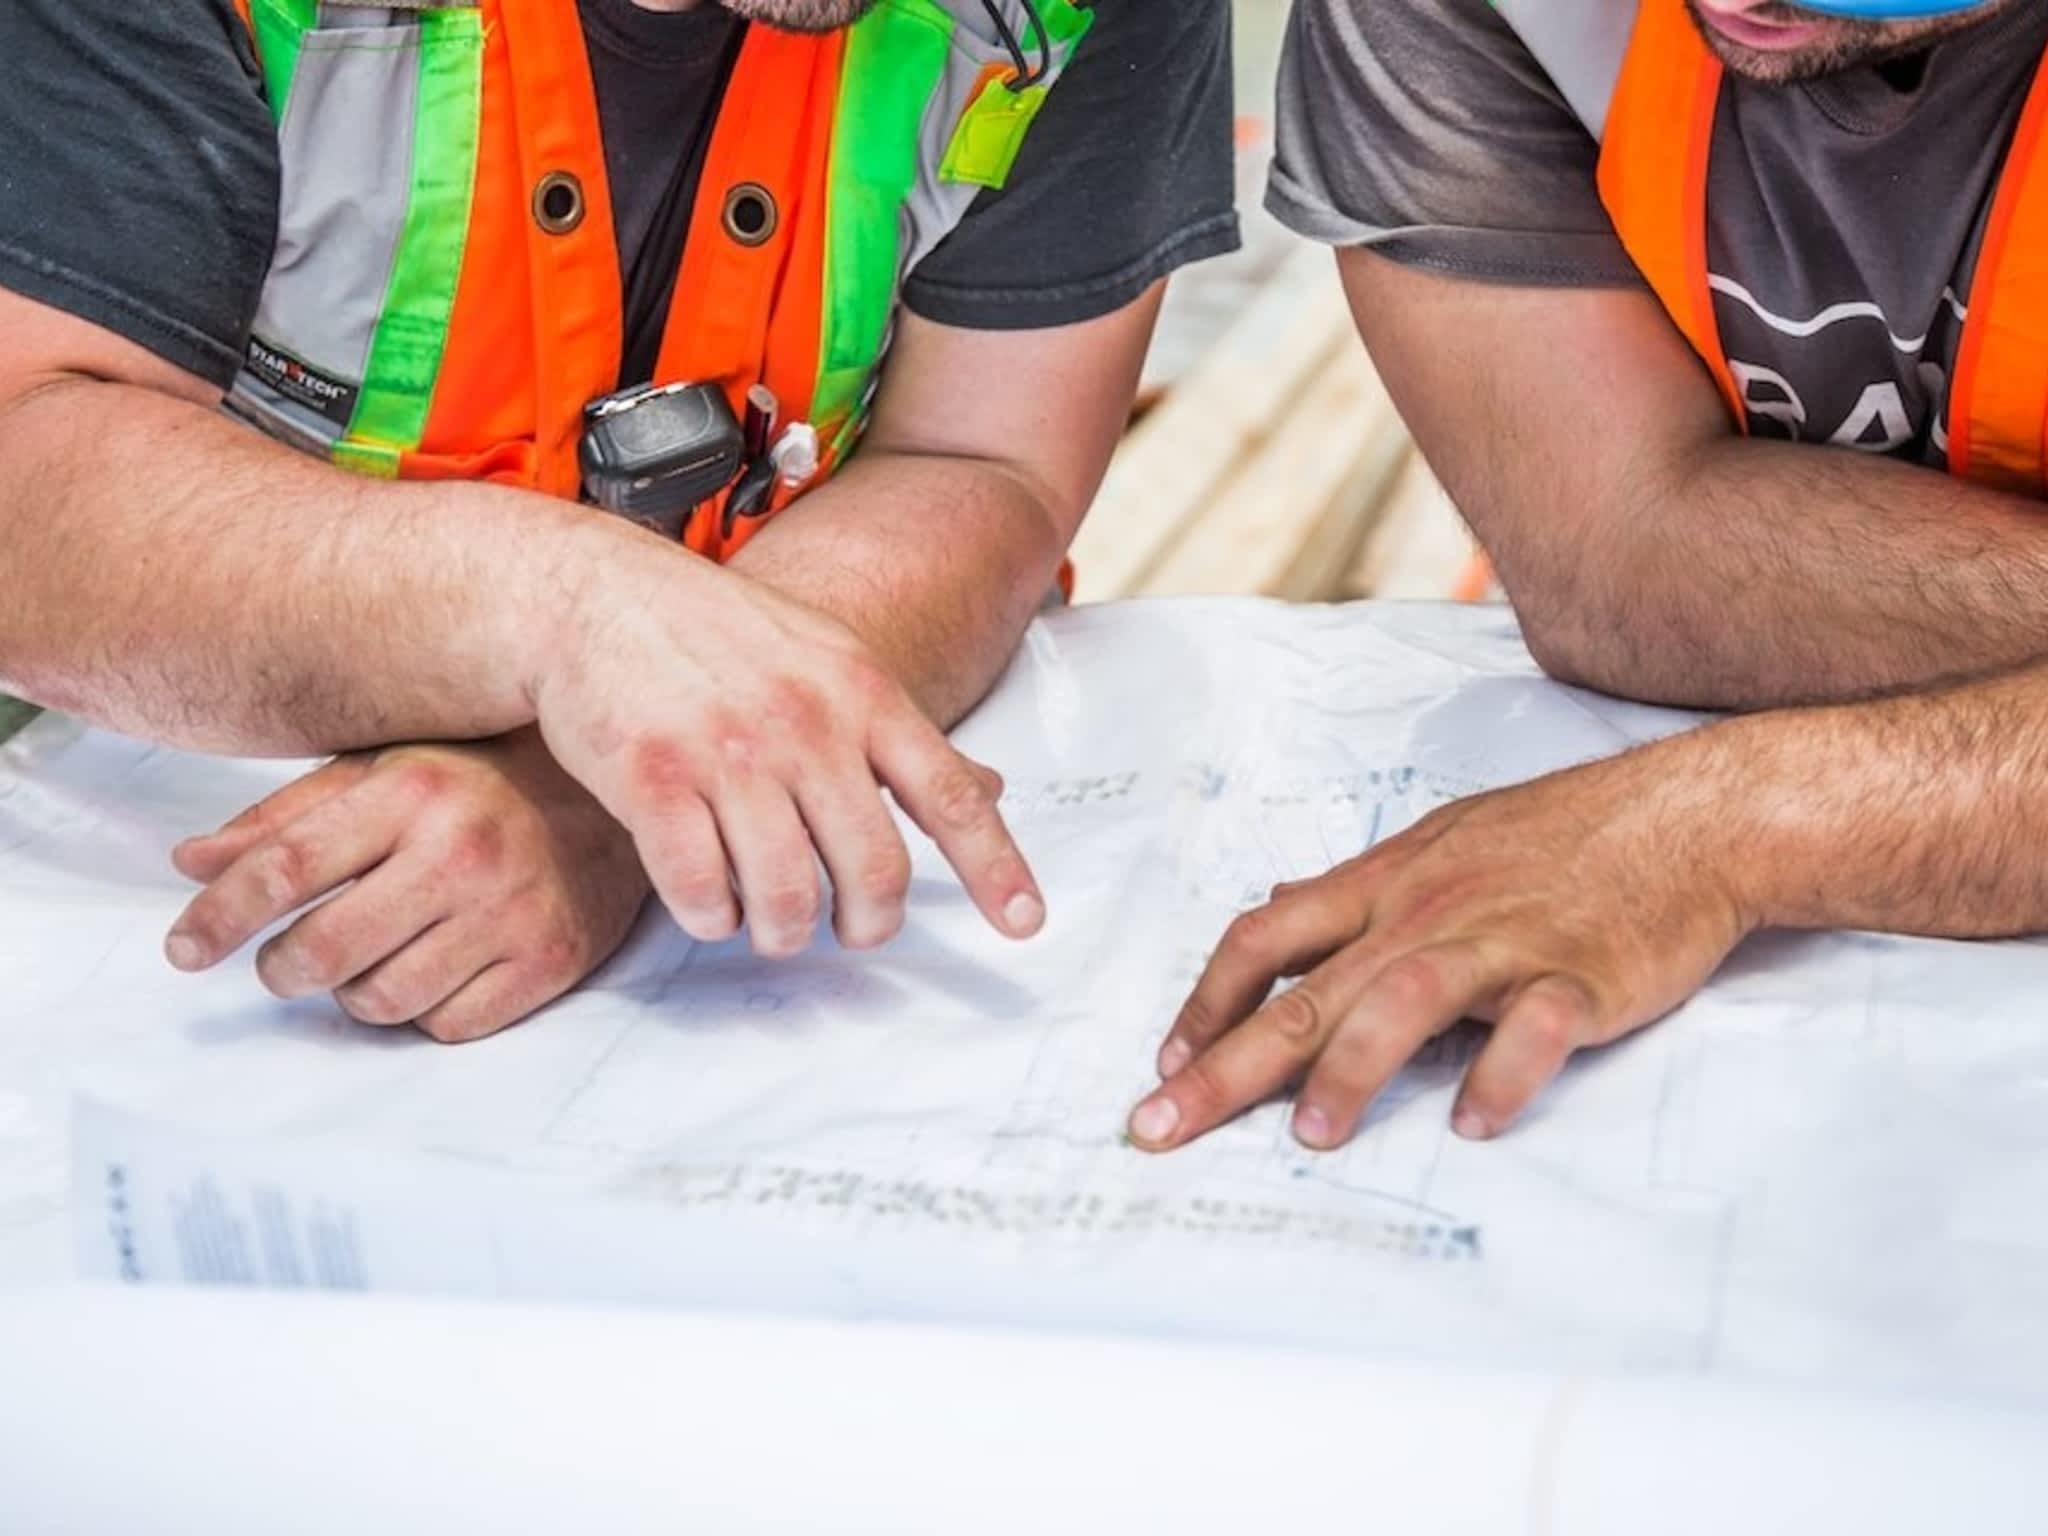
point(1752, 574)
point(174, 574)
point(937, 563)
point(1925, 813)
point(1650, 549)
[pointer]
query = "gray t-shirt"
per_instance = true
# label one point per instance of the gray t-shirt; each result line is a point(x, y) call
point(1844, 216)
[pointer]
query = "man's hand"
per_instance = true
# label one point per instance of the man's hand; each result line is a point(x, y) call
point(741, 736)
point(1571, 910)
point(459, 888)
point(736, 733)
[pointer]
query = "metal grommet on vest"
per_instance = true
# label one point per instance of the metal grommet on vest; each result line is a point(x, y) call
point(750, 214)
point(558, 205)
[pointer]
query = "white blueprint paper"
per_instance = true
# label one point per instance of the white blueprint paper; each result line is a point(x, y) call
point(249, 1415)
point(1833, 1168)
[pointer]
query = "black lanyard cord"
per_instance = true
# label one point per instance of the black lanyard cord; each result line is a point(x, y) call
point(1027, 74)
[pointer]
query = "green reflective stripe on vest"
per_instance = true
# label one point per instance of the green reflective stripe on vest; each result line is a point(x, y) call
point(371, 459)
point(412, 334)
point(895, 57)
point(279, 25)
point(381, 147)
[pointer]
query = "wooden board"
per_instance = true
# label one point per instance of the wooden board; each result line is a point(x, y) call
point(1290, 519)
point(1172, 464)
point(1421, 547)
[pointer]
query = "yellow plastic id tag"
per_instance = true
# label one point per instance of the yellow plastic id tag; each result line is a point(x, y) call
point(992, 131)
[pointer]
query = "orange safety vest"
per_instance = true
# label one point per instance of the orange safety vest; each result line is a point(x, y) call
point(445, 297)
point(1653, 179)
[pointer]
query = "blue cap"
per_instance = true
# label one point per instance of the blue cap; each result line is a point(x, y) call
point(1890, 10)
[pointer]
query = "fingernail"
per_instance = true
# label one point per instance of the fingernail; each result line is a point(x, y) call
point(1311, 1126)
point(183, 952)
point(284, 976)
point(1471, 1125)
point(1155, 1121)
point(1024, 913)
point(1174, 1055)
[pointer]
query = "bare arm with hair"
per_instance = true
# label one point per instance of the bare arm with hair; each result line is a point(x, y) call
point(1580, 907)
point(944, 537)
point(171, 573)
point(485, 884)
point(1652, 551)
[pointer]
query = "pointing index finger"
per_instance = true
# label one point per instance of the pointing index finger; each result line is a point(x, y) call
point(1257, 1058)
point(952, 799)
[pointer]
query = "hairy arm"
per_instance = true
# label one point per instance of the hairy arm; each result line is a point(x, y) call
point(1925, 814)
point(1578, 907)
point(173, 574)
point(945, 535)
point(1650, 550)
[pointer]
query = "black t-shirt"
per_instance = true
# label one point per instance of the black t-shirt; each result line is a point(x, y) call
point(659, 75)
point(139, 169)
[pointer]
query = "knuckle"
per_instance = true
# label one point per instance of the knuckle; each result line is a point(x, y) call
point(282, 869)
point(798, 712)
point(561, 955)
point(1352, 1064)
point(737, 751)
point(960, 796)
point(660, 768)
point(421, 780)
point(1551, 1026)
point(258, 818)
point(1255, 933)
point(705, 893)
point(1413, 982)
point(792, 906)
point(864, 678)
point(1295, 1016)
point(884, 877)
point(300, 961)
point(475, 847)
point(1363, 868)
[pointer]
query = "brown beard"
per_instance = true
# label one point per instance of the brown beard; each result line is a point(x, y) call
point(801, 15)
point(1846, 44)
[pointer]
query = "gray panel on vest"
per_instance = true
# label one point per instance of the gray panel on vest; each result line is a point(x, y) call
point(1580, 44)
point(346, 145)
